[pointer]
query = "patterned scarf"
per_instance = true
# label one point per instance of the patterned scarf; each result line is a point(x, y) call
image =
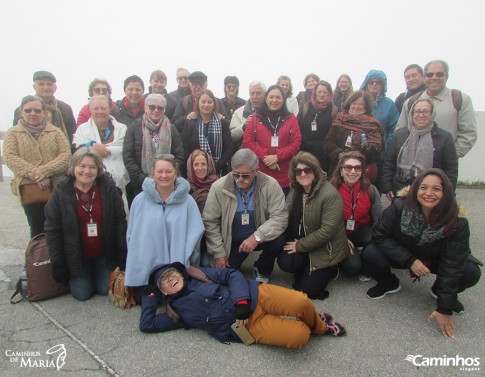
point(55, 116)
point(157, 139)
point(196, 183)
point(413, 225)
point(212, 143)
point(361, 124)
point(35, 131)
point(416, 154)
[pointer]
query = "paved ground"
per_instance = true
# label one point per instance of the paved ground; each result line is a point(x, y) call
point(101, 339)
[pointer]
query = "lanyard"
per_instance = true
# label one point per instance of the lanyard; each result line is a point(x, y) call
point(353, 205)
point(275, 129)
point(88, 209)
point(246, 197)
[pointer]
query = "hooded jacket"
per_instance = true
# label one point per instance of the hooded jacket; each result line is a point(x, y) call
point(385, 111)
point(161, 232)
point(209, 306)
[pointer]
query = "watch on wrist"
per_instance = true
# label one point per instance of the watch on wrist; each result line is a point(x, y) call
point(258, 238)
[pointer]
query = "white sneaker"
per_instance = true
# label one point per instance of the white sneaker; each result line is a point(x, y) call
point(364, 278)
point(259, 276)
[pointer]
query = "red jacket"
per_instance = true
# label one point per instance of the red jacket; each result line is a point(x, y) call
point(257, 137)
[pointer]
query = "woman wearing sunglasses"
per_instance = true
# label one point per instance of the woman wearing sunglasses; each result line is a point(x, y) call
point(419, 146)
point(165, 225)
point(147, 138)
point(355, 129)
point(38, 153)
point(362, 208)
point(97, 87)
point(316, 237)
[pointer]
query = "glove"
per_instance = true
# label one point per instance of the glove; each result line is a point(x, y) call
point(242, 311)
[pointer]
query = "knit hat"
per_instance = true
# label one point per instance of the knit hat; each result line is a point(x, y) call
point(133, 78)
point(231, 80)
point(44, 75)
point(197, 76)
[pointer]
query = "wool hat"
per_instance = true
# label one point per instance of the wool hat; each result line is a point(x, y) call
point(133, 78)
point(44, 75)
point(197, 76)
point(231, 80)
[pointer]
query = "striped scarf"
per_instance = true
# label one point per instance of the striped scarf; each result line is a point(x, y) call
point(212, 142)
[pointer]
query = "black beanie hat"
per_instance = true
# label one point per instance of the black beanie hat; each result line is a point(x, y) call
point(133, 78)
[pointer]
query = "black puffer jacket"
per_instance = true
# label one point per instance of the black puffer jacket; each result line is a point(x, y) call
point(132, 147)
point(447, 256)
point(63, 233)
point(124, 115)
point(444, 158)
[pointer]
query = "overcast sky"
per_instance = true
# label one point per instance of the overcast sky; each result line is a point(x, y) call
point(250, 39)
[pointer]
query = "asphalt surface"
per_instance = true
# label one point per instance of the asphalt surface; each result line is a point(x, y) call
point(100, 339)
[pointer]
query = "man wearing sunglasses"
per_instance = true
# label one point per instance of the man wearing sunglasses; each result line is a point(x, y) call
point(58, 113)
point(183, 88)
point(454, 109)
point(244, 212)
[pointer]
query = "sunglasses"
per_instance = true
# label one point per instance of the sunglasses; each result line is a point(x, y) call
point(437, 74)
point(299, 171)
point(153, 108)
point(167, 274)
point(180, 78)
point(100, 90)
point(348, 168)
point(374, 82)
point(239, 175)
point(37, 111)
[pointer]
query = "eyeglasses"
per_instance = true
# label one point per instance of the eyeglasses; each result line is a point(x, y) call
point(421, 112)
point(374, 82)
point(180, 78)
point(348, 168)
point(241, 175)
point(37, 111)
point(100, 90)
point(437, 74)
point(299, 171)
point(167, 275)
point(153, 108)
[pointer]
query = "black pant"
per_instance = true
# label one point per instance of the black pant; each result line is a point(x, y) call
point(353, 264)
point(265, 262)
point(310, 282)
point(35, 217)
point(380, 269)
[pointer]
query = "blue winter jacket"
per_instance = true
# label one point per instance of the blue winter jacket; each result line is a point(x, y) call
point(385, 111)
point(208, 306)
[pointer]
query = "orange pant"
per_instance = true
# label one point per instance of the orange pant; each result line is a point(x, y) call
point(267, 326)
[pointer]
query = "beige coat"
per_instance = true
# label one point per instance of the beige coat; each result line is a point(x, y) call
point(22, 154)
point(270, 212)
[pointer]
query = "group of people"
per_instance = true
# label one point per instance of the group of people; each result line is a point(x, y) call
point(209, 181)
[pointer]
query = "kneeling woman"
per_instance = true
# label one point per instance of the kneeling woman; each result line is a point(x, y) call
point(318, 241)
point(424, 233)
point(86, 226)
point(212, 299)
point(165, 225)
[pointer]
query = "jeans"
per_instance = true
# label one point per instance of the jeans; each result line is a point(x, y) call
point(265, 262)
point(94, 279)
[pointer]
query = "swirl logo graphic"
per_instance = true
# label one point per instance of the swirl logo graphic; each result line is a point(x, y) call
point(412, 359)
point(61, 357)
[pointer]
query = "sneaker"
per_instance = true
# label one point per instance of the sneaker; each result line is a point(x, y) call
point(381, 289)
point(259, 276)
point(325, 316)
point(334, 328)
point(364, 278)
point(458, 307)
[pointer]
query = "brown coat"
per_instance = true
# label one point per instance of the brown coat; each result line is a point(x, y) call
point(22, 154)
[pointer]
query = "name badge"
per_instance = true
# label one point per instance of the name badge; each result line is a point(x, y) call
point(245, 219)
point(348, 142)
point(350, 224)
point(274, 141)
point(314, 126)
point(92, 230)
